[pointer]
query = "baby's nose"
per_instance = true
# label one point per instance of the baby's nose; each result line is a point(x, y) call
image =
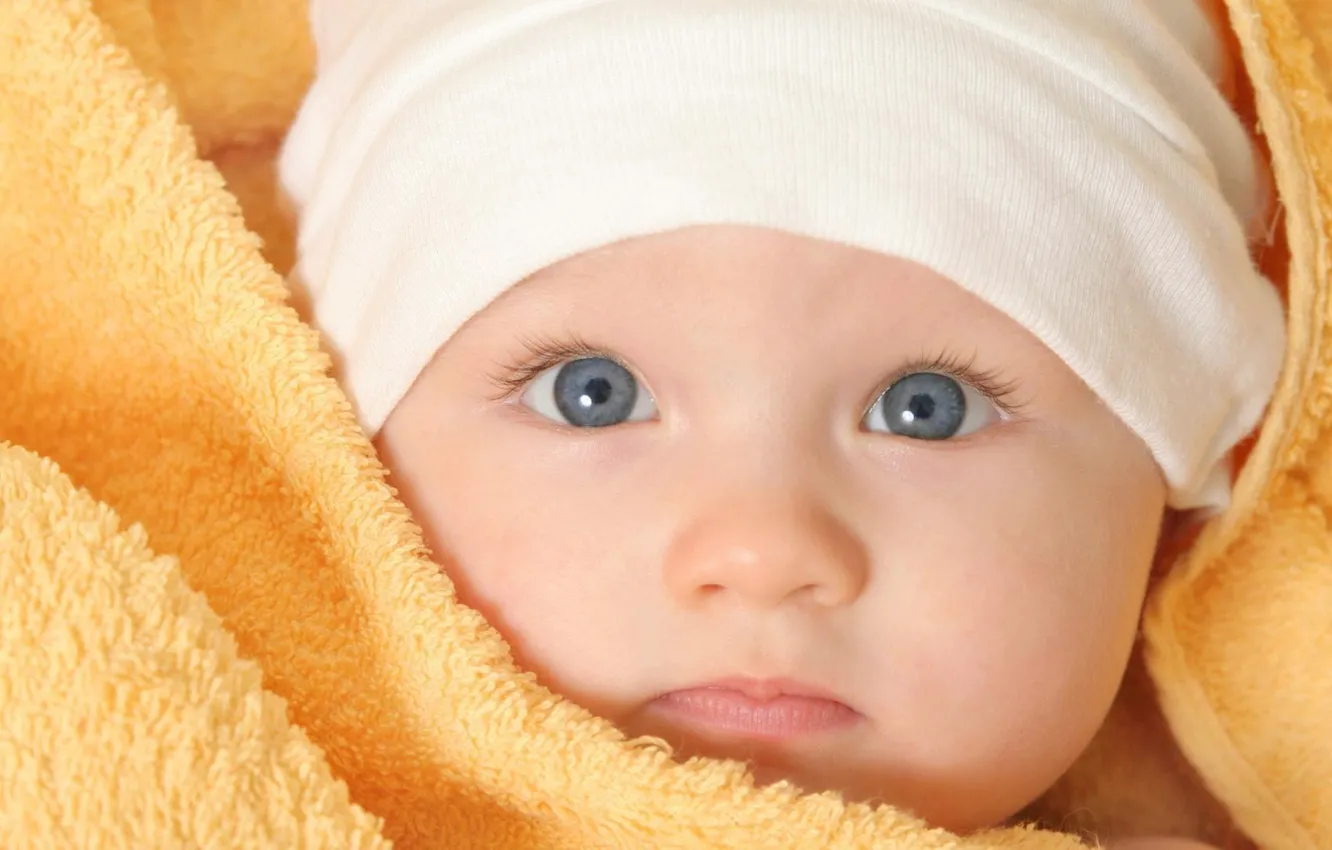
point(765, 555)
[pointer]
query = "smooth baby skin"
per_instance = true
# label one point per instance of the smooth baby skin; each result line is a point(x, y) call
point(754, 564)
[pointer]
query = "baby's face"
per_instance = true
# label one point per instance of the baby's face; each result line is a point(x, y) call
point(776, 499)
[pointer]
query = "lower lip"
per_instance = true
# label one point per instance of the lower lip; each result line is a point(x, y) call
point(732, 712)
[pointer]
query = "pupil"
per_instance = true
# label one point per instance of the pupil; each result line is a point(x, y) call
point(921, 406)
point(597, 392)
point(925, 406)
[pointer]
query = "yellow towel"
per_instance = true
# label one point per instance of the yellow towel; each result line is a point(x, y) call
point(218, 628)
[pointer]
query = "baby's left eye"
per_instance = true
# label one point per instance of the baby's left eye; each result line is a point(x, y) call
point(931, 406)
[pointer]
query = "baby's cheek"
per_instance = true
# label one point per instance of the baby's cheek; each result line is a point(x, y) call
point(1024, 597)
point(1021, 621)
point(997, 630)
point(548, 564)
point(500, 545)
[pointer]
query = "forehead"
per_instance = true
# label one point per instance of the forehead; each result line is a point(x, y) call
point(746, 278)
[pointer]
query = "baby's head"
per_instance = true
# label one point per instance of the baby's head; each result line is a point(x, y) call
point(804, 381)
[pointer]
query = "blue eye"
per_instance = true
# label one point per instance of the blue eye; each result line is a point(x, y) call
point(930, 406)
point(590, 392)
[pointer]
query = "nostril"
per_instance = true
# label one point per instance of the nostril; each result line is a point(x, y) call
point(770, 555)
point(825, 595)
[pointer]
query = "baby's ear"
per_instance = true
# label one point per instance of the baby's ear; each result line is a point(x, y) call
point(1179, 530)
point(1261, 225)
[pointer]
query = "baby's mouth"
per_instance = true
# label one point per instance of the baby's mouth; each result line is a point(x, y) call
point(759, 709)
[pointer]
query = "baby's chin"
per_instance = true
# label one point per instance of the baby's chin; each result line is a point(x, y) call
point(848, 759)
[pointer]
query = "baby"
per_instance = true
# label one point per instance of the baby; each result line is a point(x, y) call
point(807, 382)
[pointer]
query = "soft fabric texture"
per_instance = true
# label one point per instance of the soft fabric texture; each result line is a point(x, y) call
point(218, 628)
point(1071, 163)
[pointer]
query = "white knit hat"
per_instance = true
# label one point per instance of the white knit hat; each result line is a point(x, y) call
point(1068, 161)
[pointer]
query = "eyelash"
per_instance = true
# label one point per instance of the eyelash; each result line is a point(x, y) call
point(542, 353)
point(1002, 392)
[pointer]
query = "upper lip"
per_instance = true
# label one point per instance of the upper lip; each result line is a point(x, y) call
point(768, 689)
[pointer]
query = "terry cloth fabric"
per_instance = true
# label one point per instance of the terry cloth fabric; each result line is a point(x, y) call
point(1071, 163)
point(217, 625)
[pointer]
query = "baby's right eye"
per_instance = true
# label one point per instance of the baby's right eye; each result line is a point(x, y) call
point(589, 392)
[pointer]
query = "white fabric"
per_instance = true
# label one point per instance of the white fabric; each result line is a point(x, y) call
point(1068, 161)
